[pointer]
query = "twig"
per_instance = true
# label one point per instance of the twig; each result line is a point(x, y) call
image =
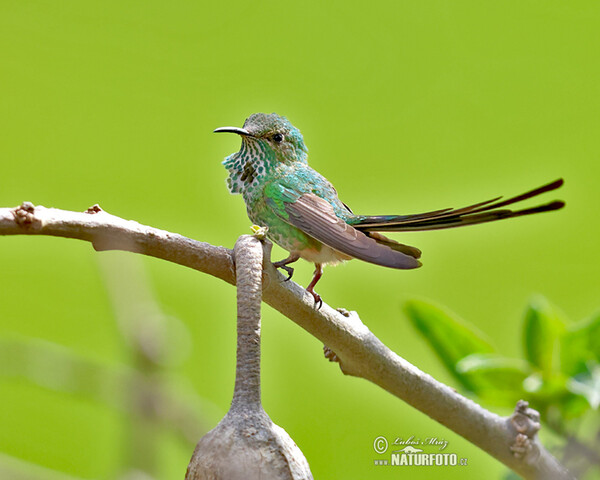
point(146, 332)
point(55, 367)
point(18, 469)
point(360, 353)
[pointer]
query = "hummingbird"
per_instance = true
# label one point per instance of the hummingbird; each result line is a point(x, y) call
point(303, 214)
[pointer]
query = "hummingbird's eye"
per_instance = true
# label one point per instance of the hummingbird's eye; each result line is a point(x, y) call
point(278, 138)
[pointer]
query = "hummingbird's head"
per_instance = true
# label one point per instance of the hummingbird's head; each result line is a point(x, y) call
point(274, 134)
point(267, 140)
point(277, 134)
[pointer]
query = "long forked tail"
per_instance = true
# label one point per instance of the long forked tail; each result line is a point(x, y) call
point(482, 212)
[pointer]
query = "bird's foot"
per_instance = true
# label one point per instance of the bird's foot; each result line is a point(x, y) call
point(284, 264)
point(311, 286)
point(317, 297)
point(288, 270)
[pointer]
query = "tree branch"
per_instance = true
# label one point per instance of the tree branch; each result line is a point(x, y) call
point(246, 444)
point(248, 265)
point(359, 352)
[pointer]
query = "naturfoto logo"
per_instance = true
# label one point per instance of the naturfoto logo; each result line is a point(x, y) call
point(413, 455)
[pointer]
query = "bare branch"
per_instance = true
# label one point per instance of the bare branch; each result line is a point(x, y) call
point(248, 264)
point(360, 353)
point(246, 444)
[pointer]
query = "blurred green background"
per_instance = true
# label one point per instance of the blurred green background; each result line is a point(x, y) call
point(405, 107)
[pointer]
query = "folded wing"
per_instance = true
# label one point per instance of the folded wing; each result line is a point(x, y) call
point(316, 217)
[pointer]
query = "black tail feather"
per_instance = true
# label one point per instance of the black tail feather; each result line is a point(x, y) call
point(482, 212)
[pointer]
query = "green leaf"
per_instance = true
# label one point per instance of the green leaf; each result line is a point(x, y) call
point(573, 406)
point(555, 396)
point(542, 330)
point(580, 345)
point(587, 385)
point(451, 338)
point(496, 379)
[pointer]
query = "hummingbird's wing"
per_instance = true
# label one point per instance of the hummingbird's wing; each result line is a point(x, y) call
point(315, 216)
point(482, 212)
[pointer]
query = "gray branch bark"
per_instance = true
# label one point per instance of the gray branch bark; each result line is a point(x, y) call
point(512, 440)
point(248, 273)
point(246, 444)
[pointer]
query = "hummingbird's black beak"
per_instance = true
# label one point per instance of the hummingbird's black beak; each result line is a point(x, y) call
point(239, 131)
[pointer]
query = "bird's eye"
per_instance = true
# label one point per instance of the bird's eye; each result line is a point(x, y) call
point(278, 138)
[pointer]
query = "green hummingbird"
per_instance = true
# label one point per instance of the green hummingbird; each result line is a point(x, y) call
point(304, 215)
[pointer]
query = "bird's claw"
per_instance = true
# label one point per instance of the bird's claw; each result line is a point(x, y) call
point(288, 270)
point(318, 300)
